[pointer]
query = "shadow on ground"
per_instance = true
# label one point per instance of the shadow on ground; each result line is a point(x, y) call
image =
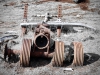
point(89, 58)
point(39, 62)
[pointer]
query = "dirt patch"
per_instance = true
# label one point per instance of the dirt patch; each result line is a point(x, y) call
point(1, 22)
point(69, 7)
point(84, 5)
point(7, 24)
point(10, 4)
point(94, 9)
point(69, 1)
point(99, 12)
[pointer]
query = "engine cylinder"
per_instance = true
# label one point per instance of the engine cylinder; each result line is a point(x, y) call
point(41, 41)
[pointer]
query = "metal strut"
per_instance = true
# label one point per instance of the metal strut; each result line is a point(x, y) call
point(25, 12)
point(59, 11)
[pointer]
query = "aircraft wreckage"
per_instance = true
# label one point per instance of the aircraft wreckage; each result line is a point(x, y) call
point(42, 45)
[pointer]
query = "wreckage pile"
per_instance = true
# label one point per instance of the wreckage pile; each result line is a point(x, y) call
point(42, 45)
point(48, 38)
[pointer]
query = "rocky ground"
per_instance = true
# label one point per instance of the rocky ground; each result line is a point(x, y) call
point(11, 15)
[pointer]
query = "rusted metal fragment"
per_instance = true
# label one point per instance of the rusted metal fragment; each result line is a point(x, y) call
point(58, 31)
point(32, 54)
point(25, 12)
point(60, 11)
point(42, 54)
